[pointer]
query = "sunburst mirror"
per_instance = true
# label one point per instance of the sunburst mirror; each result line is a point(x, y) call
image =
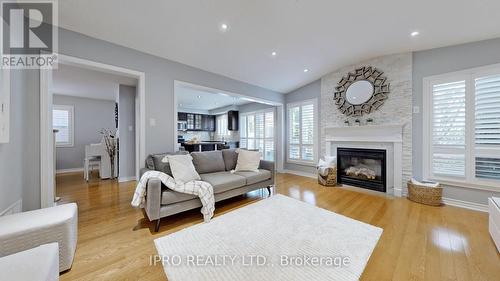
point(361, 92)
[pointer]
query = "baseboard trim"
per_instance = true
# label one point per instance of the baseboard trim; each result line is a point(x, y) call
point(124, 179)
point(466, 205)
point(72, 170)
point(16, 207)
point(299, 173)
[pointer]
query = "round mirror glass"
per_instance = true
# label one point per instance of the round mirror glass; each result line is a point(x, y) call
point(359, 92)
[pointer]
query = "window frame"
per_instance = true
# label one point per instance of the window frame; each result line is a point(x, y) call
point(471, 149)
point(264, 138)
point(71, 124)
point(314, 103)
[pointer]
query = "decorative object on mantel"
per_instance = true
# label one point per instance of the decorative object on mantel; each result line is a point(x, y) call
point(357, 122)
point(369, 121)
point(327, 171)
point(346, 122)
point(428, 193)
point(361, 92)
point(111, 148)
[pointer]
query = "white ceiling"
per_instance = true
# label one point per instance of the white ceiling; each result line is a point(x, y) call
point(195, 99)
point(75, 81)
point(321, 35)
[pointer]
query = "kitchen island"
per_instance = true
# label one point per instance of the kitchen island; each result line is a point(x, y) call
point(209, 145)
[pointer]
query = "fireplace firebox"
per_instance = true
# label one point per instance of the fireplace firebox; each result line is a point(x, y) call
point(360, 167)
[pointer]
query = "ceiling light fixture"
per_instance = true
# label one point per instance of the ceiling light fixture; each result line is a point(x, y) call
point(414, 34)
point(274, 53)
point(199, 97)
point(224, 27)
point(306, 70)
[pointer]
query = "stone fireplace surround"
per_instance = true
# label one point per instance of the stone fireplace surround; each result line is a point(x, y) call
point(386, 137)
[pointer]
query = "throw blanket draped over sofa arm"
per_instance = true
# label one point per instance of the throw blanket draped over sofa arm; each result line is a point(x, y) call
point(153, 194)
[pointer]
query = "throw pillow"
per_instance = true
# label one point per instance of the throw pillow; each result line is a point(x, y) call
point(248, 161)
point(182, 168)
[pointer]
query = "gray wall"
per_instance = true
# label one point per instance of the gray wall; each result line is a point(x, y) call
point(444, 60)
point(19, 159)
point(126, 119)
point(91, 115)
point(307, 92)
point(253, 106)
point(160, 76)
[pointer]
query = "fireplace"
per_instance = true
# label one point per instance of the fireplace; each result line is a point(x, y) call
point(360, 167)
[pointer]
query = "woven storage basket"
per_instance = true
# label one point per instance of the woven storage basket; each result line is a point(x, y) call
point(330, 179)
point(426, 195)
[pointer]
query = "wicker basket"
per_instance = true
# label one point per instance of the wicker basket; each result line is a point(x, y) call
point(330, 179)
point(426, 195)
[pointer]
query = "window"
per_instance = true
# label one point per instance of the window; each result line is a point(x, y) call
point(257, 132)
point(302, 132)
point(462, 127)
point(62, 120)
point(222, 125)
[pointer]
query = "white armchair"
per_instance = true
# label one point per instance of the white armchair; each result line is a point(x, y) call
point(24, 231)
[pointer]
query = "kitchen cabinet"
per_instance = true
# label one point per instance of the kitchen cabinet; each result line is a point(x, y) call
point(182, 116)
point(197, 122)
point(232, 120)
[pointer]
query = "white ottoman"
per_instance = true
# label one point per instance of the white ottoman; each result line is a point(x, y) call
point(40, 263)
point(23, 231)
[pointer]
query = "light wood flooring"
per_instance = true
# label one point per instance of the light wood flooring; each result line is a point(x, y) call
point(115, 241)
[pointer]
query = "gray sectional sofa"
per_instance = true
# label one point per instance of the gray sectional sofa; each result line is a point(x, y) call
point(214, 167)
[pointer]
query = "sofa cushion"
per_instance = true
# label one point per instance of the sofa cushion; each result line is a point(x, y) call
point(223, 181)
point(154, 161)
point(169, 196)
point(230, 158)
point(255, 177)
point(208, 161)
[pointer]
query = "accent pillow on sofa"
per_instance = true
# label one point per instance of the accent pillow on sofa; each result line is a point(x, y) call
point(248, 161)
point(182, 168)
point(208, 161)
point(230, 158)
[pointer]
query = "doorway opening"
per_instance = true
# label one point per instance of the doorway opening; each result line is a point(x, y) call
point(92, 123)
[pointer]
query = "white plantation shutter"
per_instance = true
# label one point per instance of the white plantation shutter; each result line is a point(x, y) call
point(487, 127)
point(62, 120)
point(448, 129)
point(464, 126)
point(257, 132)
point(487, 110)
point(301, 130)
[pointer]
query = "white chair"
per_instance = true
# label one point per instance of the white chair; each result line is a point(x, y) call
point(39, 263)
point(24, 231)
point(92, 160)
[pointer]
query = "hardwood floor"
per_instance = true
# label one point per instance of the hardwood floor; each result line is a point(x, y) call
point(419, 242)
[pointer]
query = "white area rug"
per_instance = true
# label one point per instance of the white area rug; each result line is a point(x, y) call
point(279, 238)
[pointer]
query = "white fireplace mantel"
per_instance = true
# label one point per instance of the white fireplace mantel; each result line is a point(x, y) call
point(375, 134)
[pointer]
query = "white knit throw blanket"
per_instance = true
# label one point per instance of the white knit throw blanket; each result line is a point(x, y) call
point(202, 189)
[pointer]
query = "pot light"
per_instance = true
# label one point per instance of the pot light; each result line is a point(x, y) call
point(306, 70)
point(273, 53)
point(199, 97)
point(224, 27)
point(414, 34)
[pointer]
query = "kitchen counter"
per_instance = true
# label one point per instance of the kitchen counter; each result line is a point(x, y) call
point(209, 145)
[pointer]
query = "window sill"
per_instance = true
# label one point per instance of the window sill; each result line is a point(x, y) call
point(302, 163)
point(468, 185)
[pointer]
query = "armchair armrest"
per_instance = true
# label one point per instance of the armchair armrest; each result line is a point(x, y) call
point(23, 231)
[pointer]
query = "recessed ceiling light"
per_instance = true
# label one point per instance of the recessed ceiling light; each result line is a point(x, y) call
point(306, 70)
point(224, 27)
point(199, 97)
point(414, 33)
point(273, 53)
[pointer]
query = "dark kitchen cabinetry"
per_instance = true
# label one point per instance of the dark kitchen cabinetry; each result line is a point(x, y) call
point(197, 122)
point(232, 120)
point(182, 116)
